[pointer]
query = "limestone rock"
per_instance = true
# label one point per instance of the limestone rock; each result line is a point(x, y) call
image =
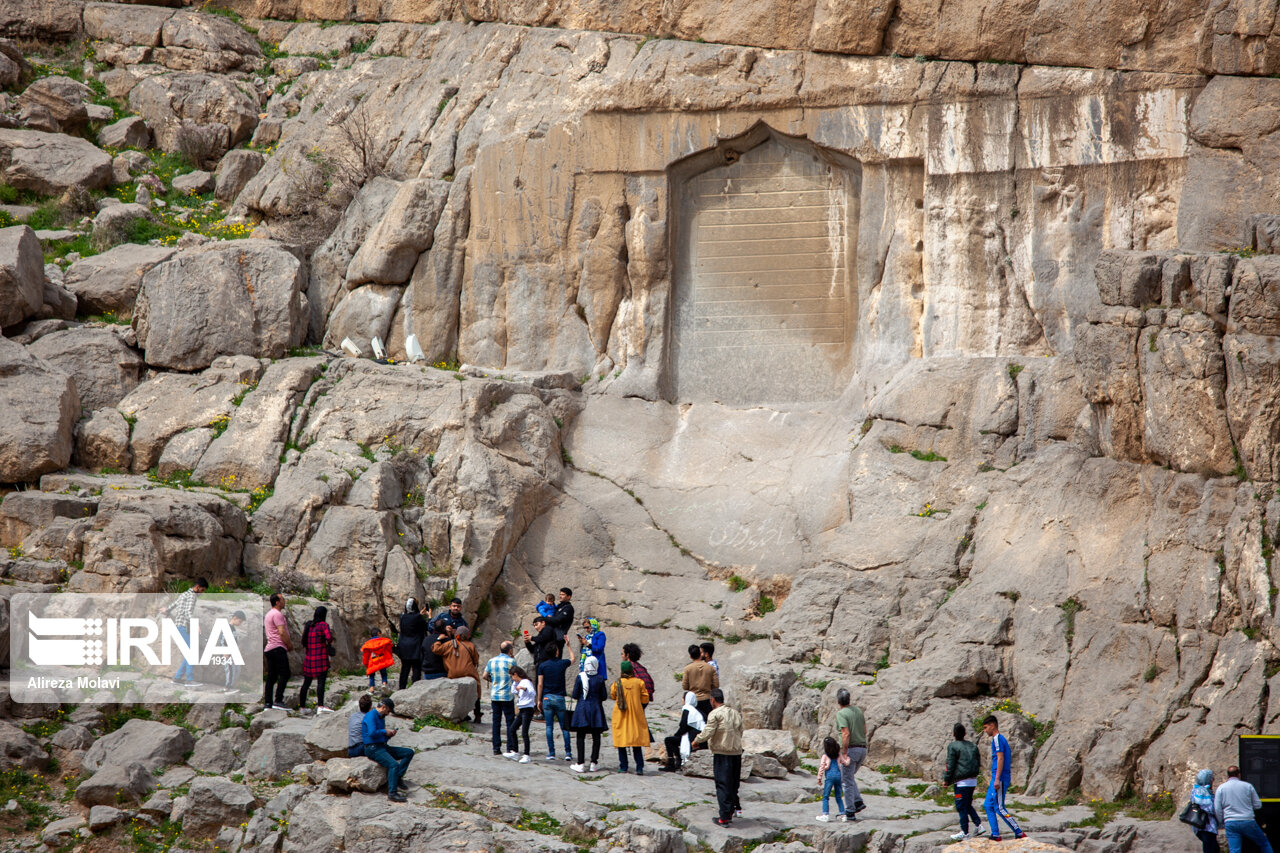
point(104, 817)
point(112, 223)
point(130, 131)
point(59, 303)
point(109, 282)
point(125, 24)
point(19, 750)
point(699, 764)
point(166, 101)
point(405, 230)
point(761, 694)
point(62, 830)
point(141, 537)
point(648, 833)
point(1183, 390)
point(102, 441)
point(215, 802)
point(1255, 307)
point(21, 274)
point(276, 753)
point(184, 451)
point(202, 42)
point(196, 182)
point(450, 698)
point(116, 784)
point(104, 368)
point(248, 452)
point(51, 163)
point(344, 775)
point(37, 436)
point(64, 99)
point(235, 170)
point(767, 767)
point(775, 744)
point(22, 513)
point(153, 745)
point(220, 751)
point(172, 403)
point(256, 285)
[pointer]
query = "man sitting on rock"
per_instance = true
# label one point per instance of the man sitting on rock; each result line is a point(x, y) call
point(355, 727)
point(395, 758)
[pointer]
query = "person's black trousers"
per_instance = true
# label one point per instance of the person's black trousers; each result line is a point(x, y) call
point(277, 675)
point(704, 708)
point(672, 743)
point(410, 668)
point(726, 769)
point(306, 686)
point(504, 713)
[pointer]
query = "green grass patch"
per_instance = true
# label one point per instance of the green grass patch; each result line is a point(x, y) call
point(737, 583)
point(436, 722)
point(30, 790)
point(927, 457)
point(116, 719)
point(180, 479)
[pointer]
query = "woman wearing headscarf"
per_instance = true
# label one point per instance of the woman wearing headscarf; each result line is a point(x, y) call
point(317, 647)
point(630, 730)
point(1202, 796)
point(592, 645)
point(588, 716)
point(413, 631)
point(460, 658)
point(679, 744)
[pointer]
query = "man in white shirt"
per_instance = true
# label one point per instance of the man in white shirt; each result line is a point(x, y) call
point(1235, 803)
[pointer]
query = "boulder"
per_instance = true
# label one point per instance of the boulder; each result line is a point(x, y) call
point(699, 764)
point(41, 411)
point(62, 831)
point(767, 767)
point(197, 182)
point(52, 163)
point(63, 98)
point(102, 441)
point(115, 785)
point(109, 282)
point(125, 24)
point(152, 744)
point(450, 698)
point(21, 274)
point(195, 41)
point(59, 303)
point(344, 775)
point(327, 738)
point(112, 223)
point(220, 752)
point(235, 170)
point(72, 736)
point(254, 287)
point(104, 367)
point(128, 132)
point(648, 833)
point(214, 802)
point(205, 100)
point(19, 750)
point(275, 753)
point(772, 743)
point(104, 817)
point(142, 538)
point(23, 512)
point(761, 694)
point(1127, 277)
point(405, 230)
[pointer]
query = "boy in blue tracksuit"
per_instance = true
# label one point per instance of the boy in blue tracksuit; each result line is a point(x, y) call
point(396, 759)
point(1001, 776)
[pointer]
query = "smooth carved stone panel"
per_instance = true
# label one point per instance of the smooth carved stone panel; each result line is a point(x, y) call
point(763, 306)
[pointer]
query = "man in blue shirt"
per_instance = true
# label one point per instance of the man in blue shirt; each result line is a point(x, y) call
point(396, 759)
point(1001, 776)
point(501, 697)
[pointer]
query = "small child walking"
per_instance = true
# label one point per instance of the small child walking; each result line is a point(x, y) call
point(832, 780)
point(377, 657)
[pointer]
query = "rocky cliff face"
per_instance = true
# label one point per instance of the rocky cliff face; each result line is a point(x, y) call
point(950, 381)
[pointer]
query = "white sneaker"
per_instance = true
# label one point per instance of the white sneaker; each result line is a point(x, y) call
point(512, 755)
point(594, 767)
point(822, 818)
point(578, 768)
point(959, 836)
point(321, 709)
point(524, 759)
point(978, 832)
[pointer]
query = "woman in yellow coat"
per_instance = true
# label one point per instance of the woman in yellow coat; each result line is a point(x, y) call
point(629, 726)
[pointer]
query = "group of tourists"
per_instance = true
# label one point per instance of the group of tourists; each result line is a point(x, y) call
point(1231, 808)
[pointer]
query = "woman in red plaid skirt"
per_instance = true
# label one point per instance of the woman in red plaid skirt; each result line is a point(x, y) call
point(317, 646)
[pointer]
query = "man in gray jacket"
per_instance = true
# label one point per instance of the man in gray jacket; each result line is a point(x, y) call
point(1235, 804)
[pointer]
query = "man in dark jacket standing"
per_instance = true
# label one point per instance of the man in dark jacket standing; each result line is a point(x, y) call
point(562, 621)
point(543, 645)
point(963, 764)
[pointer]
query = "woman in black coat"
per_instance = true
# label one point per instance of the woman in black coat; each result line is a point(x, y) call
point(413, 631)
point(588, 715)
